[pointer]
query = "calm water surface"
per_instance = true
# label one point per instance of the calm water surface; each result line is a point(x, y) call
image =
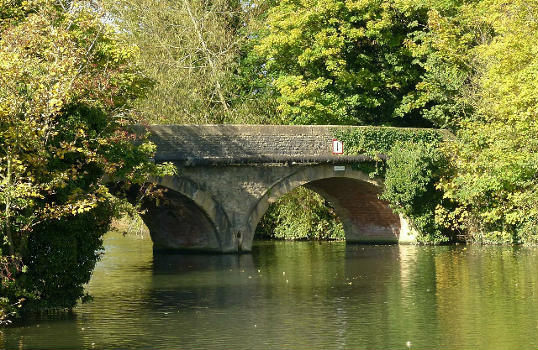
point(301, 295)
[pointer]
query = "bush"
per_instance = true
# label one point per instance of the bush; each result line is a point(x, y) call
point(73, 246)
point(413, 170)
point(301, 214)
point(67, 86)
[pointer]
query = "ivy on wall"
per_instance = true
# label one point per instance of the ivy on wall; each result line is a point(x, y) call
point(376, 141)
point(412, 164)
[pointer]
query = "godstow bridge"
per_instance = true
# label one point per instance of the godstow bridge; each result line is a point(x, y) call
point(230, 174)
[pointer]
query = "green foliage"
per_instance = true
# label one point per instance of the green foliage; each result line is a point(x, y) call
point(413, 171)
point(494, 155)
point(340, 62)
point(374, 141)
point(480, 69)
point(66, 87)
point(193, 50)
point(300, 214)
point(412, 163)
point(443, 46)
point(73, 246)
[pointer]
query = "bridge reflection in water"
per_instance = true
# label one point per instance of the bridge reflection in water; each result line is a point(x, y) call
point(299, 295)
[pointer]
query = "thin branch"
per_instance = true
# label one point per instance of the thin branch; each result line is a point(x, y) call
point(208, 56)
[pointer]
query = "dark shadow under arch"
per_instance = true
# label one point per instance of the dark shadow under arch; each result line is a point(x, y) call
point(176, 222)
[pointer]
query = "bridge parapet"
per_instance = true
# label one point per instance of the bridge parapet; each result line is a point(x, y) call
point(239, 144)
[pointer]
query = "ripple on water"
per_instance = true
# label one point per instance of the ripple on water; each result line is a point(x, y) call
point(301, 295)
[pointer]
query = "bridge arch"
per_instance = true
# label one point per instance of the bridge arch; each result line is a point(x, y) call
point(186, 216)
point(352, 193)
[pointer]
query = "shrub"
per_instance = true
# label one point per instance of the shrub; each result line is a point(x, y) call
point(301, 214)
point(413, 170)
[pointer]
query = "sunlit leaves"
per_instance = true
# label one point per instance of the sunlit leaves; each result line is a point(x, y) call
point(340, 62)
point(301, 214)
point(413, 170)
point(66, 90)
point(495, 156)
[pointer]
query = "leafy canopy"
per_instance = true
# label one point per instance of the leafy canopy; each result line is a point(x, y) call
point(66, 87)
point(340, 62)
point(495, 155)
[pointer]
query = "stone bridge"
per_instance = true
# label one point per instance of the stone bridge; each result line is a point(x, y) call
point(230, 174)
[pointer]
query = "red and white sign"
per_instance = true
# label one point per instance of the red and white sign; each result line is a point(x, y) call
point(338, 147)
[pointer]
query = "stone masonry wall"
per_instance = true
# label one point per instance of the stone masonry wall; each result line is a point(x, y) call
point(244, 143)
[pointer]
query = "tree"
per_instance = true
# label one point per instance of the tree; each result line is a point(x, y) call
point(191, 50)
point(442, 47)
point(341, 62)
point(66, 87)
point(413, 171)
point(494, 156)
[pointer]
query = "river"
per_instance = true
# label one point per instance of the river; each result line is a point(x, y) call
point(300, 295)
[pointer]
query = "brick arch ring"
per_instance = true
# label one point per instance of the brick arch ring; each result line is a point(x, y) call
point(354, 196)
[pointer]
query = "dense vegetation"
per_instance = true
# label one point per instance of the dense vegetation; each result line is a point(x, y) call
point(73, 72)
point(301, 214)
point(411, 163)
point(476, 67)
point(494, 183)
point(66, 86)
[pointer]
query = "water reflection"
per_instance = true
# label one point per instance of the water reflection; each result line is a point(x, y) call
point(500, 283)
point(170, 263)
point(301, 295)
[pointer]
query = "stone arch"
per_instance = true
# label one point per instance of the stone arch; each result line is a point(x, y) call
point(186, 217)
point(352, 193)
